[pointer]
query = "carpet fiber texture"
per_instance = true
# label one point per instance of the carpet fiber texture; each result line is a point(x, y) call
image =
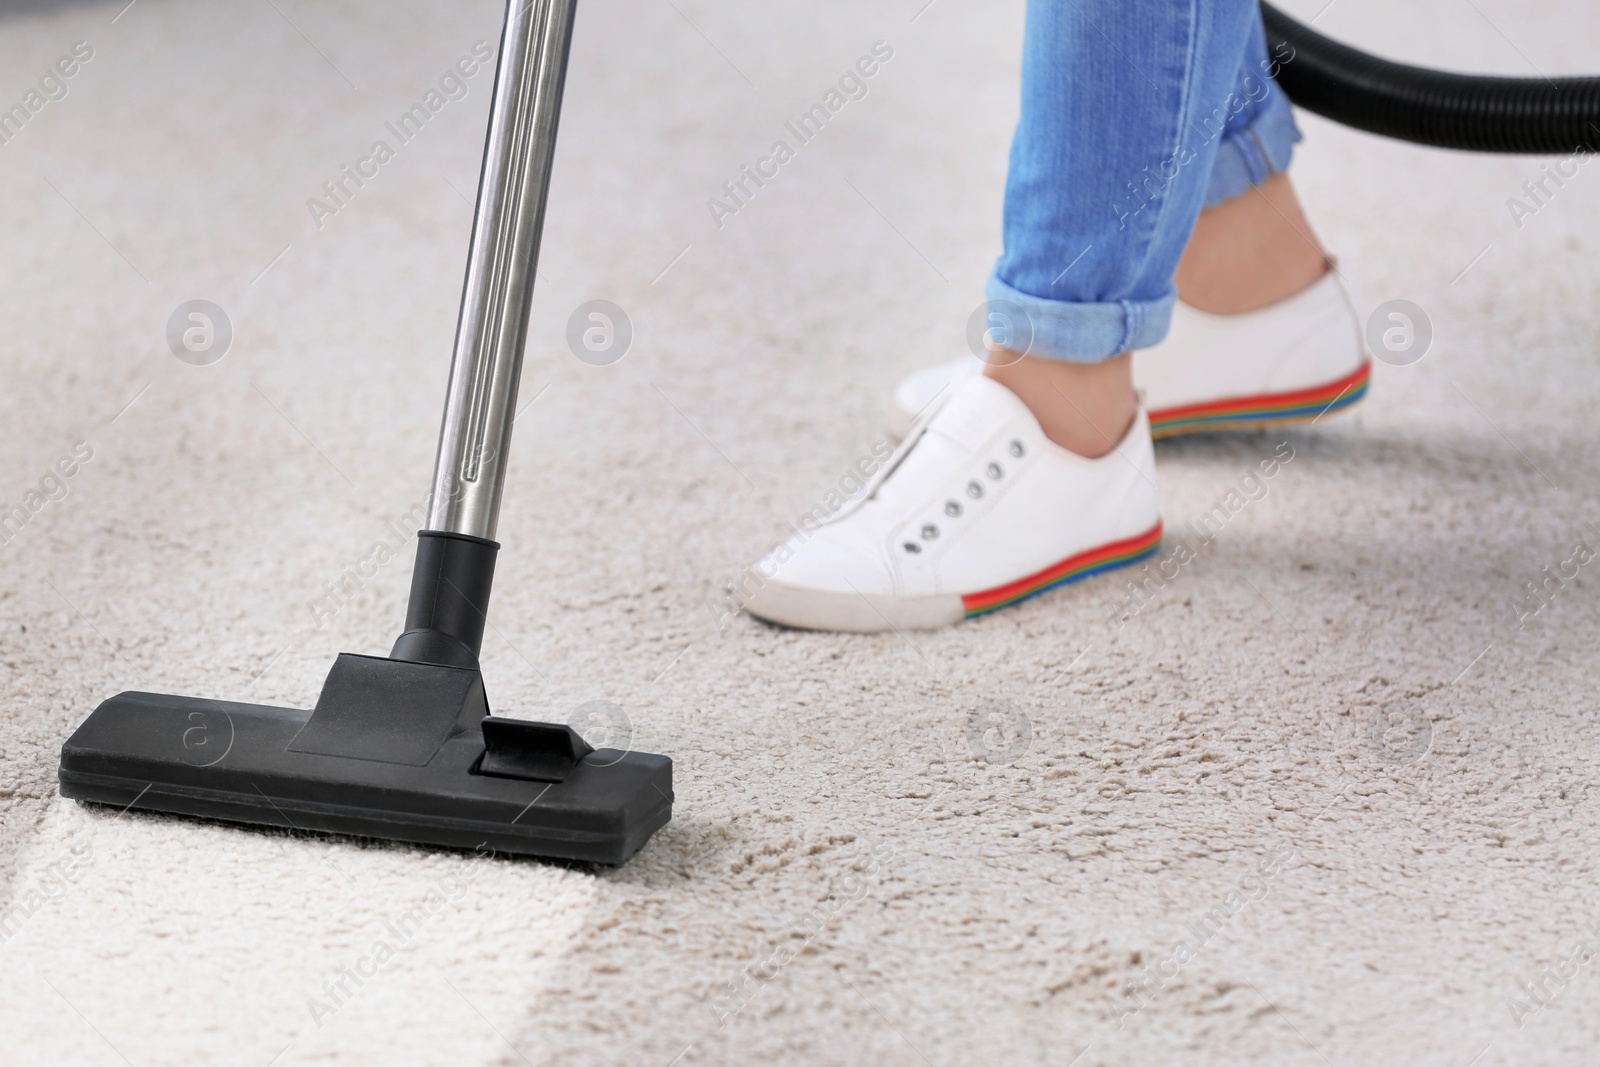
point(1324, 794)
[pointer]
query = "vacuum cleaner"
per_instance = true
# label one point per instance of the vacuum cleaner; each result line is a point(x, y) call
point(404, 747)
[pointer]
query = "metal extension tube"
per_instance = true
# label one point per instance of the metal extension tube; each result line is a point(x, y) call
point(456, 552)
point(474, 442)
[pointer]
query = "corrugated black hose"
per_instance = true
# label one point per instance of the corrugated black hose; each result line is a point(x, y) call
point(1545, 116)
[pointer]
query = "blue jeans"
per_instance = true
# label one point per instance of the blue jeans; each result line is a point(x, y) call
point(1135, 115)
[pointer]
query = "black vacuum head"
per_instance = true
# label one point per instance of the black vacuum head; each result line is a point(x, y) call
point(394, 749)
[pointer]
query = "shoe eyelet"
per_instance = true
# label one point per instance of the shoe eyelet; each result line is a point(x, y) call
point(1016, 449)
point(930, 532)
point(912, 547)
point(995, 471)
point(974, 490)
point(952, 508)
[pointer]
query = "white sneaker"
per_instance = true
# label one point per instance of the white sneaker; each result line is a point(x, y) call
point(975, 511)
point(1298, 359)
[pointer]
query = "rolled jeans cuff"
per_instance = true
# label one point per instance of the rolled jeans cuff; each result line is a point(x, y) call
point(1074, 332)
point(1250, 155)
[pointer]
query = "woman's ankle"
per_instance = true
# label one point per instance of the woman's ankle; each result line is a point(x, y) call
point(1083, 407)
point(1251, 251)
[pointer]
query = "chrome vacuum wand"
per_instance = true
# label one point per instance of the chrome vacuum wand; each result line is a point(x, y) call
point(456, 553)
point(481, 404)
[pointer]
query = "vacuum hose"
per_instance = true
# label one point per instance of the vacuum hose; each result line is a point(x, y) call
point(1538, 116)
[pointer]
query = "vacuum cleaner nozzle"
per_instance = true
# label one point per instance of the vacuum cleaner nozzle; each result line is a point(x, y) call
point(400, 748)
point(396, 747)
point(393, 749)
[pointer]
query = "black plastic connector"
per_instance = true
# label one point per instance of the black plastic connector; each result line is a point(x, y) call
point(449, 600)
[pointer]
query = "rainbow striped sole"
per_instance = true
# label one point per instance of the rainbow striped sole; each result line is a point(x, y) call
point(1244, 412)
point(1072, 569)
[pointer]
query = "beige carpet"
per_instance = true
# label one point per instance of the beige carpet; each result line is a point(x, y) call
point(1324, 798)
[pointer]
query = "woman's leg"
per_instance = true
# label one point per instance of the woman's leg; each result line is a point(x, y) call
point(1124, 109)
point(1010, 487)
point(1250, 251)
point(1254, 284)
point(1252, 245)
